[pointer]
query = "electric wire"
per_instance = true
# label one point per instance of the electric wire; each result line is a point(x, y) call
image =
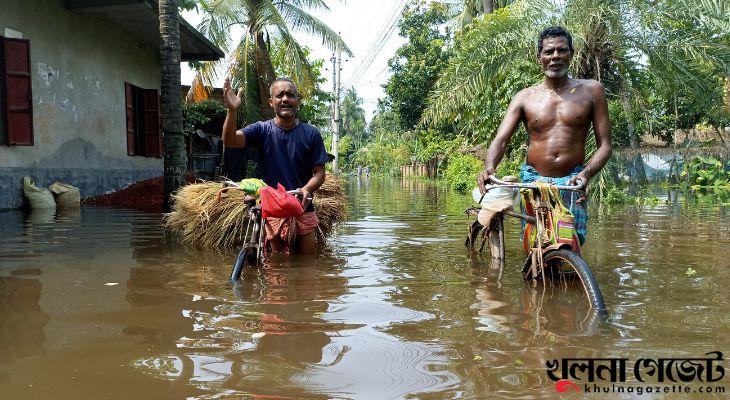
point(377, 45)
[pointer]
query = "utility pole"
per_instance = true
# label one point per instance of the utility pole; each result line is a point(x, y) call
point(336, 66)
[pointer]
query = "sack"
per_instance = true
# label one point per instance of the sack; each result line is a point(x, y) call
point(251, 186)
point(278, 203)
point(495, 195)
point(37, 197)
point(66, 195)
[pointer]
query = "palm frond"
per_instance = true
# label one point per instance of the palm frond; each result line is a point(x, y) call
point(218, 19)
point(242, 70)
point(487, 52)
point(710, 15)
point(320, 5)
point(302, 21)
point(294, 63)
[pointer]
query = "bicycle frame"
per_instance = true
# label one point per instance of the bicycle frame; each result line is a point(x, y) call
point(543, 214)
point(551, 255)
point(253, 237)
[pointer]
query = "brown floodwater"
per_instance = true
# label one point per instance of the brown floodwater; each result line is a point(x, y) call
point(100, 304)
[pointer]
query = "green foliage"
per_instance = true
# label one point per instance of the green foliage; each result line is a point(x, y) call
point(195, 115)
point(432, 143)
point(646, 197)
point(511, 165)
point(346, 148)
point(615, 195)
point(713, 195)
point(388, 147)
point(417, 63)
point(707, 172)
point(619, 123)
point(461, 172)
point(384, 157)
point(385, 119)
point(490, 63)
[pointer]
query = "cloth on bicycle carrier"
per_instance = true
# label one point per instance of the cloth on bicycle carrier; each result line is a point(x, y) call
point(287, 229)
point(529, 174)
point(496, 200)
point(277, 203)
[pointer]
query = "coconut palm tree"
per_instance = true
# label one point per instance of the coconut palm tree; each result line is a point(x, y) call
point(175, 162)
point(353, 116)
point(264, 23)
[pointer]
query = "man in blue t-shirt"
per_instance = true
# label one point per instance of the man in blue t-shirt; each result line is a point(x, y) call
point(293, 155)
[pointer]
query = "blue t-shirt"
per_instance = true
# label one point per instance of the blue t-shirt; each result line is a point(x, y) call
point(288, 155)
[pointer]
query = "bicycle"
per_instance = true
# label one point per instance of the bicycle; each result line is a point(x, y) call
point(550, 257)
point(252, 252)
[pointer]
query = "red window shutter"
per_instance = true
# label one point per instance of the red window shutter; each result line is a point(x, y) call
point(18, 96)
point(131, 123)
point(152, 136)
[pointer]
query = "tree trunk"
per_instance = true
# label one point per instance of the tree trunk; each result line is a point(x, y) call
point(265, 74)
point(175, 163)
point(488, 6)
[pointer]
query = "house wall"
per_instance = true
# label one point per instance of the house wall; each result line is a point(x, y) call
point(79, 66)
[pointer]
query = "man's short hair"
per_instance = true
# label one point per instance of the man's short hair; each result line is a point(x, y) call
point(552, 32)
point(271, 87)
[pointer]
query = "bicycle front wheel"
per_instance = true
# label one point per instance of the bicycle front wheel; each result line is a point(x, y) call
point(564, 268)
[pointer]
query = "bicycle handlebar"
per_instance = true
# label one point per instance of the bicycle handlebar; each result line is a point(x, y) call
point(579, 187)
point(229, 184)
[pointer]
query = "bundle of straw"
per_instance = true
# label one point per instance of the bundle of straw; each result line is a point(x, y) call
point(329, 203)
point(203, 219)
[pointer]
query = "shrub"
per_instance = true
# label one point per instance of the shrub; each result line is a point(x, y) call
point(462, 171)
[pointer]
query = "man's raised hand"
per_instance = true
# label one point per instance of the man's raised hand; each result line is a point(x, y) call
point(231, 99)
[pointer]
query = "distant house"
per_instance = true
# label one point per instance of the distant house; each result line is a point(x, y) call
point(79, 93)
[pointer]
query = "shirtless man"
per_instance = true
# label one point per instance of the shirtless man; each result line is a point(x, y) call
point(293, 155)
point(557, 114)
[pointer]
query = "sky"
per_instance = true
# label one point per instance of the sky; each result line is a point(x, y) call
point(362, 24)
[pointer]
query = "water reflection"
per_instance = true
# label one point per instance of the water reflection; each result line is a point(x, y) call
point(23, 321)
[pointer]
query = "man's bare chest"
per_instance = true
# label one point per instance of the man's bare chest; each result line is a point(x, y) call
point(545, 111)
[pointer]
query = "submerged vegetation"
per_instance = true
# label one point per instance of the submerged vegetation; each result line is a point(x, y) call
point(707, 172)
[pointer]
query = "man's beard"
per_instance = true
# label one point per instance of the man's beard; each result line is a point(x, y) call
point(554, 74)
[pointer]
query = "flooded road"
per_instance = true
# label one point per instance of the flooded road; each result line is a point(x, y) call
point(101, 305)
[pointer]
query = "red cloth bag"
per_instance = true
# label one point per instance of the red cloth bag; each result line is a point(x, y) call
point(278, 203)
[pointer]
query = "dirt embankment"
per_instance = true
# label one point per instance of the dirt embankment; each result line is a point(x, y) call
point(143, 195)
